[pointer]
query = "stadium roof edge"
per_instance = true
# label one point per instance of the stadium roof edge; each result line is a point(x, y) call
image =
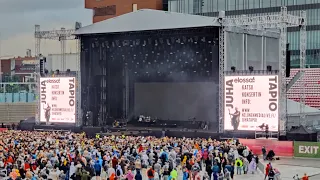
point(148, 19)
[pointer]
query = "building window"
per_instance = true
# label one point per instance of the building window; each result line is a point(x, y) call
point(105, 11)
point(134, 7)
point(221, 5)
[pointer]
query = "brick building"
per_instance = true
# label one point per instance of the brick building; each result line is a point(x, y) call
point(19, 66)
point(105, 9)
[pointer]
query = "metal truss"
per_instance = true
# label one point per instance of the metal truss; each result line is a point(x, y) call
point(222, 51)
point(60, 35)
point(303, 44)
point(278, 22)
point(78, 88)
point(37, 75)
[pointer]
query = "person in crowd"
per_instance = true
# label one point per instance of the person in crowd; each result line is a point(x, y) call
point(268, 167)
point(239, 165)
point(264, 152)
point(271, 174)
point(150, 174)
point(305, 177)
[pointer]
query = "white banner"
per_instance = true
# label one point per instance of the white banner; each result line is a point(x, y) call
point(251, 102)
point(57, 99)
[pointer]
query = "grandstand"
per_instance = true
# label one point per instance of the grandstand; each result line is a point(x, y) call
point(312, 82)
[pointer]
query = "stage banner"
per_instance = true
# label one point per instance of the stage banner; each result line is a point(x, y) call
point(57, 99)
point(251, 103)
point(280, 148)
point(307, 149)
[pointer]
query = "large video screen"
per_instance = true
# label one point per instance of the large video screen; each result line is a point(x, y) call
point(251, 102)
point(58, 99)
point(177, 101)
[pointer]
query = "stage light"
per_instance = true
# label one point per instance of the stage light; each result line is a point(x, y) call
point(233, 69)
point(269, 68)
point(250, 68)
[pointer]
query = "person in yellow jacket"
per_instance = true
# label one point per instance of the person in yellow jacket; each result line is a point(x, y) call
point(239, 165)
point(174, 174)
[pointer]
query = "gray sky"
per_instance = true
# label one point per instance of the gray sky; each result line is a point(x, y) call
point(18, 17)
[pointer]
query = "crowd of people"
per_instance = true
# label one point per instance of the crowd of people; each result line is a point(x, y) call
point(65, 155)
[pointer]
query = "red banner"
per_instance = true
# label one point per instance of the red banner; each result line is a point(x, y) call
point(280, 148)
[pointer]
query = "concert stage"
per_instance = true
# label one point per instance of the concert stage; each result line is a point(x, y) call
point(166, 67)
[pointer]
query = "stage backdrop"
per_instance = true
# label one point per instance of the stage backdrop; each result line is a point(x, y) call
point(307, 149)
point(177, 101)
point(280, 148)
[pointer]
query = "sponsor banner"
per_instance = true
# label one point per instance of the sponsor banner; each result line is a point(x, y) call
point(251, 103)
point(58, 99)
point(307, 149)
point(280, 148)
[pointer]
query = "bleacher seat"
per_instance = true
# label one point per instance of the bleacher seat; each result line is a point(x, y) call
point(311, 81)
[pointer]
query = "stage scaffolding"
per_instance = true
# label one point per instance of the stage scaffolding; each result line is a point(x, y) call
point(59, 35)
point(277, 23)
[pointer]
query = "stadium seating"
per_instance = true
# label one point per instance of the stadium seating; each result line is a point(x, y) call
point(311, 81)
point(14, 112)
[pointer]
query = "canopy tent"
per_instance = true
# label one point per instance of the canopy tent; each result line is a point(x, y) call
point(147, 19)
point(302, 133)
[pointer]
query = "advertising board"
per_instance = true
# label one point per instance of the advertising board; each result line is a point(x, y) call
point(57, 99)
point(306, 149)
point(251, 102)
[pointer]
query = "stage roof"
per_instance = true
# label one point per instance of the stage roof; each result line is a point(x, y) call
point(147, 19)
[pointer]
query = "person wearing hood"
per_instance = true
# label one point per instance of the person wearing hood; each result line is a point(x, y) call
point(130, 175)
point(97, 168)
point(119, 171)
point(138, 176)
point(174, 174)
point(72, 170)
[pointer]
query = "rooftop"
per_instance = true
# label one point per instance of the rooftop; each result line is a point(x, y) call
point(147, 19)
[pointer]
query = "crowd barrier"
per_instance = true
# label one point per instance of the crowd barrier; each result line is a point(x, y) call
point(281, 148)
point(306, 149)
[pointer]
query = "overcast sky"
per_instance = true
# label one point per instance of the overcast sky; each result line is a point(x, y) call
point(18, 17)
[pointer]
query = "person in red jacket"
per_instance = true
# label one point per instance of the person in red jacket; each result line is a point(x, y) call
point(114, 162)
point(267, 170)
point(305, 177)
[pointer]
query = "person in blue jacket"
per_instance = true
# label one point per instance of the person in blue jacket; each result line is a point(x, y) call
point(185, 174)
point(215, 171)
point(97, 168)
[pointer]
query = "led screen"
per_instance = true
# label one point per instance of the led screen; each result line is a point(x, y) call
point(57, 99)
point(251, 102)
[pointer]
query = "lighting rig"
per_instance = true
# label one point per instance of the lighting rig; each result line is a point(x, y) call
point(279, 22)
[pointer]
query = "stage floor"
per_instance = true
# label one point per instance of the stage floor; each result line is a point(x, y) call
point(150, 131)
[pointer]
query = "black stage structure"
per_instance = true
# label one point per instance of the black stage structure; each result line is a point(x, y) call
point(144, 68)
point(170, 74)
